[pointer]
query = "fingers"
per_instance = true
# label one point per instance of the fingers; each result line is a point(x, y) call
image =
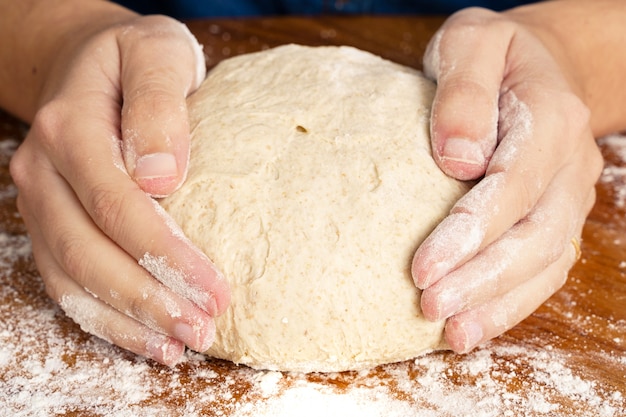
point(468, 63)
point(98, 318)
point(505, 111)
point(506, 283)
point(161, 64)
point(98, 237)
point(118, 207)
point(71, 246)
point(522, 252)
point(136, 222)
point(99, 226)
point(539, 123)
point(524, 164)
point(510, 277)
point(468, 329)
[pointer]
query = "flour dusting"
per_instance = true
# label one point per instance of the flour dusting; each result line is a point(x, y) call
point(48, 366)
point(176, 279)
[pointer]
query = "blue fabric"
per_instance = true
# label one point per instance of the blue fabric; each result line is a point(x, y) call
point(186, 9)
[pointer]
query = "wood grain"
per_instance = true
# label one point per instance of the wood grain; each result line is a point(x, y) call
point(568, 358)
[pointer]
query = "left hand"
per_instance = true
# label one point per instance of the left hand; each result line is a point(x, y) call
point(111, 110)
point(506, 108)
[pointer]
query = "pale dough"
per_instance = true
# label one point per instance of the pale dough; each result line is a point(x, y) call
point(311, 184)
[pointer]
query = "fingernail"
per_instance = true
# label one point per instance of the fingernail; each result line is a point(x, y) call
point(432, 275)
point(156, 165)
point(185, 333)
point(199, 339)
point(449, 304)
point(472, 335)
point(212, 306)
point(463, 150)
point(164, 350)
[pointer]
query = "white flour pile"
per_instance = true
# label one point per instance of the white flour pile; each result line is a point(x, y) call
point(46, 369)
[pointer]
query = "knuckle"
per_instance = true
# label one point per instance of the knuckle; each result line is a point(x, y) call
point(41, 139)
point(71, 252)
point(167, 35)
point(150, 27)
point(52, 283)
point(19, 167)
point(150, 31)
point(135, 306)
point(152, 96)
point(527, 196)
point(48, 122)
point(143, 306)
point(575, 111)
point(107, 207)
point(473, 17)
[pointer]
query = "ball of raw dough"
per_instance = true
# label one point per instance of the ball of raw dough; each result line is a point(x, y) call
point(311, 184)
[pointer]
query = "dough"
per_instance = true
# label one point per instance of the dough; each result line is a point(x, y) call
point(310, 185)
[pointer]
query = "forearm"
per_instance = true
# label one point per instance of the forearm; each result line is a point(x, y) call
point(588, 38)
point(38, 33)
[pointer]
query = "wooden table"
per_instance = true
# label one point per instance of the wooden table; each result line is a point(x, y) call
point(567, 359)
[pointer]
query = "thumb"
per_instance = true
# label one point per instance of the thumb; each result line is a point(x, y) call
point(161, 63)
point(467, 59)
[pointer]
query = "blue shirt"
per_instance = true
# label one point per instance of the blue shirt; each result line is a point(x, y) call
point(186, 9)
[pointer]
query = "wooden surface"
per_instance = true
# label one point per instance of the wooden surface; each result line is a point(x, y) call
point(569, 358)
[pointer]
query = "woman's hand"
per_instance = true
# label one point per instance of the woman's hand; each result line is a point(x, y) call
point(506, 112)
point(111, 132)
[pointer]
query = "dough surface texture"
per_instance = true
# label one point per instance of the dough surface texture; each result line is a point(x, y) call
point(310, 186)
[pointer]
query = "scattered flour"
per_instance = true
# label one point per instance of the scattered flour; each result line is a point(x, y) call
point(49, 367)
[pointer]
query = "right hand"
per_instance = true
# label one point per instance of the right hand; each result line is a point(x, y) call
point(504, 111)
point(112, 132)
